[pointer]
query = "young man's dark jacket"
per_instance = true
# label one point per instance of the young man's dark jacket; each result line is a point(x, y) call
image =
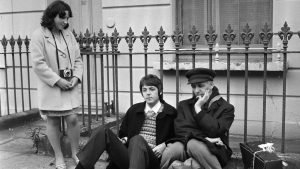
point(135, 117)
point(212, 122)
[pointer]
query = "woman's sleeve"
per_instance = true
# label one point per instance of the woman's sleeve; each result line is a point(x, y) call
point(40, 67)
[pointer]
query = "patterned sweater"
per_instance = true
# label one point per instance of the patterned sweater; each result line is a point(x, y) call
point(148, 130)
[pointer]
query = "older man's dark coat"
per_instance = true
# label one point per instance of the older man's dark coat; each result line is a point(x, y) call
point(213, 122)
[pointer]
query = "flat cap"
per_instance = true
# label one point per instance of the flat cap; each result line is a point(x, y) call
point(199, 75)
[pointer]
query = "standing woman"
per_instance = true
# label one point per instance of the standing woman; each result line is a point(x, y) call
point(58, 65)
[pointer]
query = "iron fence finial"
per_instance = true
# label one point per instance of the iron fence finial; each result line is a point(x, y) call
point(4, 42)
point(115, 39)
point(101, 37)
point(87, 40)
point(145, 38)
point(161, 37)
point(229, 36)
point(247, 35)
point(12, 43)
point(130, 38)
point(194, 37)
point(211, 36)
point(177, 37)
point(266, 35)
point(19, 41)
point(26, 42)
point(285, 34)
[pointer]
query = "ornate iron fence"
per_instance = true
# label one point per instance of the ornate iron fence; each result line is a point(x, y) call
point(100, 47)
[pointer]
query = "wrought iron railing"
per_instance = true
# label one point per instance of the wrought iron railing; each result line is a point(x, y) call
point(100, 47)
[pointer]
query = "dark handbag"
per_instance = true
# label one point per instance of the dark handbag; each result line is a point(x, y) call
point(253, 157)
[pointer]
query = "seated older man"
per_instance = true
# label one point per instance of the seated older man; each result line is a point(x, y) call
point(202, 125)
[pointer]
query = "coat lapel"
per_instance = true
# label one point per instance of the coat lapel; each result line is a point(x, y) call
point(61, 48)
point(68, 39)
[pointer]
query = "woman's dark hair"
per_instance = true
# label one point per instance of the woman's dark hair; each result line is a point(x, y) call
point(55, 8)
point(152, 80)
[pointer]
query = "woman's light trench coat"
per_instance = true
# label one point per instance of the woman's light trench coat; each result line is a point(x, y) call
point(44, 63)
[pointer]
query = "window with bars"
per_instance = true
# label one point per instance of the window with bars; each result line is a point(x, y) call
point(220, 13)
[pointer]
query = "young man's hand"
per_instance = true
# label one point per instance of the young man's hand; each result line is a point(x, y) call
point(159, 149)
point(123, 140)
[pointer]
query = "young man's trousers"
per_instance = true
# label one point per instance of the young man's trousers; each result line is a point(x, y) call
point(138, 154)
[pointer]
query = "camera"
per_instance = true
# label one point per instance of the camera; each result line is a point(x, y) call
point(66, 73)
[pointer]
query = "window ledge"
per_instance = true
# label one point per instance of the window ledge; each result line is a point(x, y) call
point(218, 65)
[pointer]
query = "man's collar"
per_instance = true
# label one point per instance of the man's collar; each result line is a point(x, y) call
point(154, 108)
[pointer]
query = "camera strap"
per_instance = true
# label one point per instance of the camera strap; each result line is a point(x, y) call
point(56, 50)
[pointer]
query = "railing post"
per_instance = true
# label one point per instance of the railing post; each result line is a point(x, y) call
point(246, 36)
point(194, 37)
point(285, 35)
point(19, 42)
point(229, 38)
point(12, 43)
point(177, 38)
point(87, 48)
point(115, 40)
point(130, 39)
point(265, 37)
point(26, 42)
point(95, 39)
point(145, 38)
point(4, 44)
point(161, 38)
point(210, 38)
point(106, 42)
point(102, 40)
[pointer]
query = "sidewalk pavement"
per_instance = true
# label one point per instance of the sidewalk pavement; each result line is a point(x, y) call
point(17, 151)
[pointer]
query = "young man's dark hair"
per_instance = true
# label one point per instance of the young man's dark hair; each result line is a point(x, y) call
point(55, 8)
point(152, 80)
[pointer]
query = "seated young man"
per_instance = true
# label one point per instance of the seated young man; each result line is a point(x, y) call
point(202, 125)
point(142, 136)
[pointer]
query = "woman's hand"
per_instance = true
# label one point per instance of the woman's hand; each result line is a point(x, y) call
point(64, 84)
point(74, 81)
point(159, 149)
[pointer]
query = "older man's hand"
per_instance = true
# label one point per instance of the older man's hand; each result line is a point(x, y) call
point(202, 100)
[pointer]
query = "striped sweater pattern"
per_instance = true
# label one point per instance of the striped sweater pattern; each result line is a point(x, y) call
point(148, 130)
